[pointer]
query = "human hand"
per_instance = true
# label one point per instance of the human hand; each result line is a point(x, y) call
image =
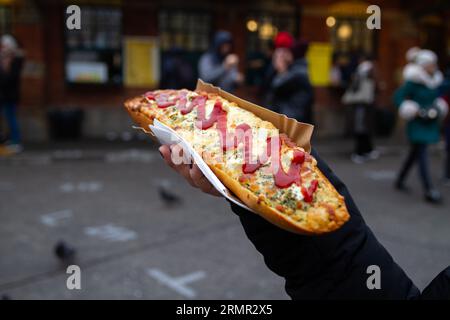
point(5, 61)
point(190, 171)
point(240, 78)
point(231, 61)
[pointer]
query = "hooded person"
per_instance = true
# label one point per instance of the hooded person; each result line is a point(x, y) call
point(421, 107)
point(411, 65)
point(219, 65)
point(11, 61)
point(416, 58)
point(291, 92)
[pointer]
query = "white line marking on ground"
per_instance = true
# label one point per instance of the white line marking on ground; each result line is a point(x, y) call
point(379, 175)
point(132, 155)
point(111, 232)
point(85, 186)
point(178, 284)
point(53, 219)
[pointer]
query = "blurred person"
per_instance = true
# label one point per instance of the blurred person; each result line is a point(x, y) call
point(445, 93)
point(420, 105)
point(414, 70)
point(291, 92)
point(360, 96)
point(258, 64)
point(410, 56)
point(330, 266)
point(335, 71)
point(11, 61)
point(219, 65)
point(177, 72)
point(282, 41)
point(267, 74)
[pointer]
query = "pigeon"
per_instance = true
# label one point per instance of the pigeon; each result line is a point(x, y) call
point(64, 252)
point(166, 195)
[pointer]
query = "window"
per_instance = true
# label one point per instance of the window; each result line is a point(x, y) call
point(262, 27)
point(183, 29)
point(349, 35)
point(93, 54)
point(5, 20)
point(184, 36)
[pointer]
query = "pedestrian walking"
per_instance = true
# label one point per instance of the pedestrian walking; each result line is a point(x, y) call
point(422, 108)
point(360, 97)
point(291, 92)
point(445, 93)
point(11, 61)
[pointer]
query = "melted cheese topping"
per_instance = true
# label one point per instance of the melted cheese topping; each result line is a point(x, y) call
point(207, 143)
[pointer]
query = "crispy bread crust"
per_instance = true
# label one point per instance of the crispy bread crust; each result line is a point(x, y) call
point(313, 224)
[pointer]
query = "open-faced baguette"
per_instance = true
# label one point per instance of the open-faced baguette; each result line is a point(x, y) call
point(308, 205)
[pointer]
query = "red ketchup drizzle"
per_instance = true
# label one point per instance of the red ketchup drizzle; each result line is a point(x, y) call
point(252, 167)
point(149, 96)
point(217, 115)
point(244, 134)
point(199, 101)
point(162, 100)
point(282, 179)
point(308, 193)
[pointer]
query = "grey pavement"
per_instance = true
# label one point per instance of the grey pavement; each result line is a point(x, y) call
point(102, 199)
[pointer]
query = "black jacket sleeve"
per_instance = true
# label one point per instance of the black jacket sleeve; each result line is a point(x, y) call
point(10, 81)
point(439, 288)
point(331, 266)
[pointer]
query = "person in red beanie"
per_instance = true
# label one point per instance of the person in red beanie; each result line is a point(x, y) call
point(283, 40)
point(290, 91)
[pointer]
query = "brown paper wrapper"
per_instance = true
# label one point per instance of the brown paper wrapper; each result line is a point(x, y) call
point(298, 132)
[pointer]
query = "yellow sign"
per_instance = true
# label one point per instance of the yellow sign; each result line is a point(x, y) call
point(319, 58)
point(141, 62)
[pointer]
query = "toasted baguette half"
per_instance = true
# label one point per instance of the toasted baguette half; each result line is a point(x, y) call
point(290, 208)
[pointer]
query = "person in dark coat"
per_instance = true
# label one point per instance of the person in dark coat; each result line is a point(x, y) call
point(177, 72)
point(11, 61)
point(445, 94)
point(219, 66)
point(291, 92)
point(332, 266)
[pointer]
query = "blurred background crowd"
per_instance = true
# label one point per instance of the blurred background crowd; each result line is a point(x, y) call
point(315, 61)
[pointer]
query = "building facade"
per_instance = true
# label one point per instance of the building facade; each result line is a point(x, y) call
point(87, 69)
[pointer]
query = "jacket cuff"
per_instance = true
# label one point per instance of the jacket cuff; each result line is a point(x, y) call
point(408, 109)
point(442, 106)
